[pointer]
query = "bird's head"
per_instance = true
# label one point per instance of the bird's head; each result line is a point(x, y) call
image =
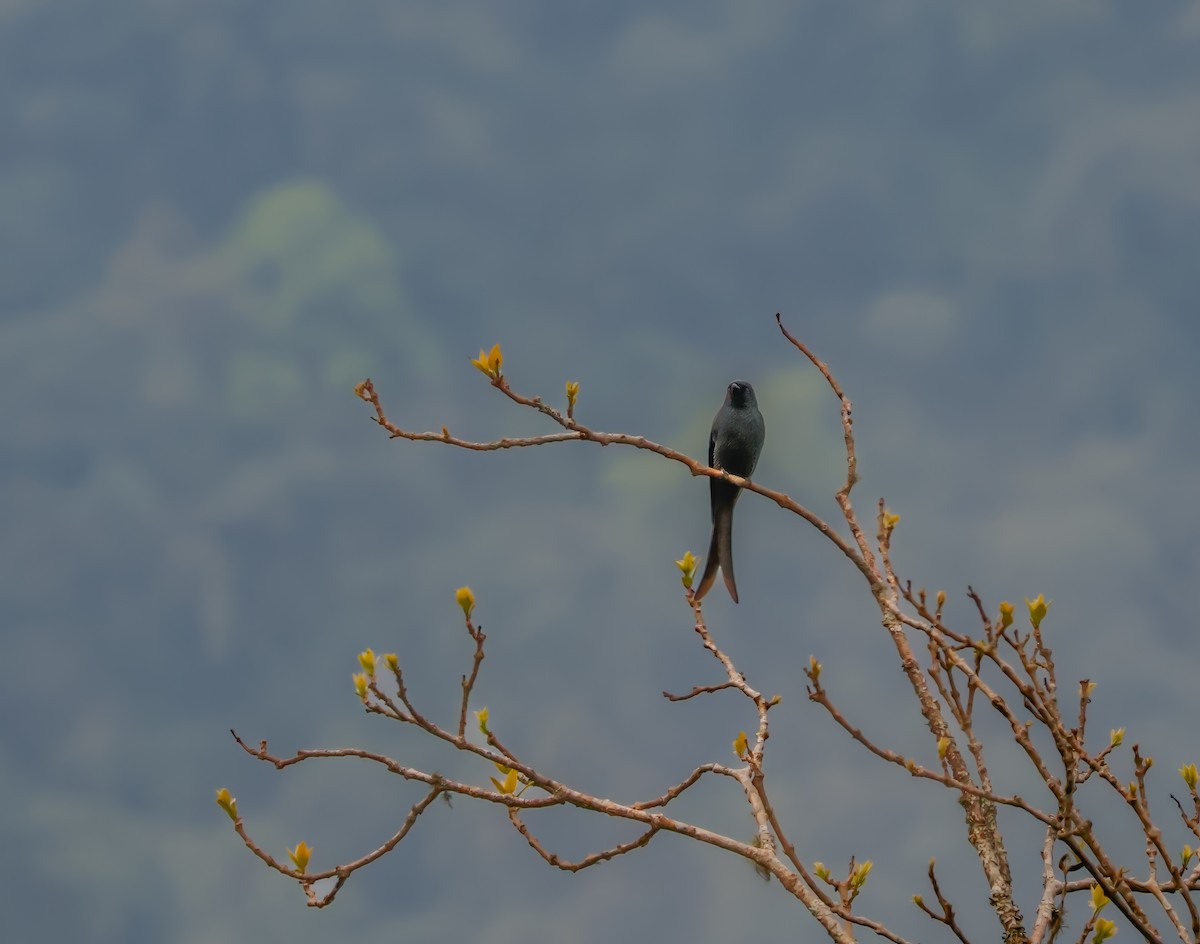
point(741, 394)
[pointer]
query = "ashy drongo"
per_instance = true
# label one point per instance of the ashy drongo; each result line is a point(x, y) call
point(733, 445)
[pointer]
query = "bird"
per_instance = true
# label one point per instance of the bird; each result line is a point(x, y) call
point(736, 439)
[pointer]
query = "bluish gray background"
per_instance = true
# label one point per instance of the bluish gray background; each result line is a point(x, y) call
point(216, 217)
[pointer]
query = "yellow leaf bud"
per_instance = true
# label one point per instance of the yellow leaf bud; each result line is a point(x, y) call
point(366, 659)
point(740, 744)
point(392, 660)
point(1104, 930)
point(1099, 899)
point(821, 871)
point(572, 394)
point(226, 802)
point(482, 717)
point(814, 668)
point(1185, 856)
point(687, 567)
point(858, 878)
point(1116, 736)
point(1037, 609)
point(489, 362)
point(300, 856)
point(466, 599)
point(360, 390)
point(360, 685)
point(509, 784)
point(941, 599)
point(943, 747)
point(1190, 775)
point(1006, 614)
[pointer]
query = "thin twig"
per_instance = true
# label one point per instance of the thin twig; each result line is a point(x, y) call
point(843, 494)
point(468, 681)
point(699, 690)
point(589, 860)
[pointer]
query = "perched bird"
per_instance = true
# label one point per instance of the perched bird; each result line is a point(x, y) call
point(736, 440)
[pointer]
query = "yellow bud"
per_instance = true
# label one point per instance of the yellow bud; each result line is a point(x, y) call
point(1131, 790)
point(918, 900)
point(466, 599)
point(943, 746)
point(1037, 609)
point(814, 668)
point(300, 856)
point(821, 871)
point(445, 433)
point(1147, 763)
point(509, 783)
point(393, 662)
point(1116, 736)
point(1006, 614)
point(1099, 899)
point(740, 744)
point(1086, 687)
point(572, 393)
point(489, 362)
point(687, 567)
point(1104, 930)
point(482, 716)
point(1190, 775)
point(1185, 856)
point(226, 802)
point(890, 520)
point(366, 659)
point(360, 685)
point(858, 877)
point(360, 390)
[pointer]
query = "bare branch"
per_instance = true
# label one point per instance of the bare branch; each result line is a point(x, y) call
point(843, 494)
point(683, 785)
point(468, 681)
point(699, 690)
point(589, 860)
point(947, 916)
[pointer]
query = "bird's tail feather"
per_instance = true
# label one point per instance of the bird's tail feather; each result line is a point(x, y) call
point(720, 554)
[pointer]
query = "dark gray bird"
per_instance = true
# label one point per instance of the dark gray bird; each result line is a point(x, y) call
point(736, 440)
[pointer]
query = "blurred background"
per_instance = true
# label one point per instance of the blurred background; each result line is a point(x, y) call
point(217, 217)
